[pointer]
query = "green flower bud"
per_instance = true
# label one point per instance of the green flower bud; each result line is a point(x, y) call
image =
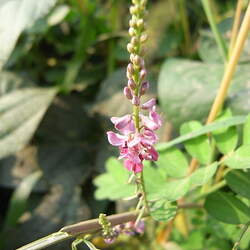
point(130, 48)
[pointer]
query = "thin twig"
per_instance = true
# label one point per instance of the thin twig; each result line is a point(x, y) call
point(237, 243)
point(231, 67)
point(217, 35)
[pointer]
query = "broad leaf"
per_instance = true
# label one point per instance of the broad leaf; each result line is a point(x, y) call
point(187, 89)
point(226, 139)
point(16, 15)
point(227, 208)
point(173, 162)
point(203, 175)
point(163, 210)
point(239, 159)
point(246, 131)
point(239, 182)
point(198, 147)
point(236, 120)
point(171, 191)
point(20, 113)
point(114, 183)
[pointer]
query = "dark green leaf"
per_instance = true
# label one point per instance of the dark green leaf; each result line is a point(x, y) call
point(173, 162)
point(246, 131)
point(187, 89)
point(227, 208)
point(236, 120)
point(239, 182)
point(20, 113)
point(203, 175)
point(198, 147)
point(163, 210)
point(239, 159)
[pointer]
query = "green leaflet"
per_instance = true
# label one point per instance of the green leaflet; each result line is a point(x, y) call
point(240, 159)
point(239, 182)
point(198, 147)
point(173, 162)
point(114, 183)
point(236, 120)
point(163, 210)
point(226, 139)
point(227, 208)
point(246, 131)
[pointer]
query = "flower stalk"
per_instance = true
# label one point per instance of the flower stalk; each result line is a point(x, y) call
point(137, 131)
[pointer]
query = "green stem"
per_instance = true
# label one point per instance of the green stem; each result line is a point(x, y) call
point(185, 24)
point(237, 243)
point(218, 37)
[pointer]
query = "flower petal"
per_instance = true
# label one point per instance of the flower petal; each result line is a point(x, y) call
point(115, 139)
point(149, 104)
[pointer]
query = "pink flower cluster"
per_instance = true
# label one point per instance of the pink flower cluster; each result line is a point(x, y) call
point(136, 146)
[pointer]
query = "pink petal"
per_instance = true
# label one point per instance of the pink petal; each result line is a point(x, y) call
point(131, 166)
point(156, 118)
point(148, 123)
point(149, 104)
point(124, 124)
point(153, 153)
point(135, 141)
point(115, 139)
point(149, 137)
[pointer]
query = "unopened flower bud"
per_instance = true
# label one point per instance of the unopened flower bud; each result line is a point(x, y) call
point(144, 88)
point(132, 57)
point(131, 84)
point(144, 38)
point(134, 40)
point(130, 68)
point(132, 23)
point(136, 100)
point(128, 93)
point(143, 74)
point(133, 10)
point(140, 23)
point(137, 60)
point(131, 31)
point(130, 48)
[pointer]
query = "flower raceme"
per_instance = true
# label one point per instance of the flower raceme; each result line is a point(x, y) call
point(136, 135)
point(136, 146)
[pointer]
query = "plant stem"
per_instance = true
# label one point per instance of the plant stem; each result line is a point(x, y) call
point(236, 25)
point(185, 24)
point(237, 243)
point(230, 69)
point(218, 37)
point(228, 74)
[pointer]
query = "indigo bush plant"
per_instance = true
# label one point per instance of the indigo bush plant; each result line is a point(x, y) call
point(191, 192)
